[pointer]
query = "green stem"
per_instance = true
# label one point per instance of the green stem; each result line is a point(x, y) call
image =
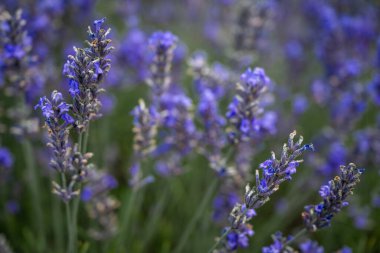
point(86, 134)
point(198, 214)
point(76, 201)
point(219, 240)
point(70, 241)
point(126, 217)
point(74, 228)
point(155, 216)
point(299, 234)
point(56, 218)
point(33, 182)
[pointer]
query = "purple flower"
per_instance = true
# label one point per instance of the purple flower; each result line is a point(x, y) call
point(6, 158)
point(85, 71)
point(278, 245)
point(246, 113)
point(163, 41)
point(12, 206)
point(300, 104)
point(324, 191)
point(275, 172)
point(334, 195)
point(311, 247)
point(98, 24)
point(163, 45)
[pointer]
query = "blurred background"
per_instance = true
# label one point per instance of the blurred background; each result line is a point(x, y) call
point(323, 58)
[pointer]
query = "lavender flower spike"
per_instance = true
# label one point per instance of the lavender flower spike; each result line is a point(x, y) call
point(274, 172)
point(66, 160)
point(163, 45)
point(279, 244)
point(85, 72)
point(145, 129)
point(246, 113)
point(334, 195)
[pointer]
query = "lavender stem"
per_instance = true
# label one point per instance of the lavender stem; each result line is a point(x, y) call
point(34, 188)
point(74, 222)
point(70, 241)
point(299, 234)
point(191, 225)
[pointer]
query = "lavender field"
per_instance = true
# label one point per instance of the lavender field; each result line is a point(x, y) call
point(170, 126)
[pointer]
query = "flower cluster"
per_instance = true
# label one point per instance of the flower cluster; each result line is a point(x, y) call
point(342, 48)
point(334, 198)
point(86, 71)
point(17, 61)
point(6, 159)
point(163, 45)
point(145, 121)
point(100, 205)
point(245, 113)
point(310, 246)
point(66, 160)
point(252, 22)
point(178, 133)
point(216, 78)
point(212, 136)
point(279, 244)
point(275, 172)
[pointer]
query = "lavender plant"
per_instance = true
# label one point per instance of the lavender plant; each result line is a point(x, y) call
point(319, 216)
point(334, 198)
point(85, 72)
point(275, 172)
point(186, 123)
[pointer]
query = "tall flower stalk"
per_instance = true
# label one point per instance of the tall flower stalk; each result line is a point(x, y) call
point(19, 79)
point(85, 72)
point(319, 216)
point(274, 172)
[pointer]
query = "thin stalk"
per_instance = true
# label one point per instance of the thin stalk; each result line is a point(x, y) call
point(219, 240)
point(299, 234)
point(76, 201)
point(126, 217)
point(155, 216)
point(74, 229)
point(198, 214)
point(85, 141)
point(35, 192)
point(70, 241)
point(57, 224)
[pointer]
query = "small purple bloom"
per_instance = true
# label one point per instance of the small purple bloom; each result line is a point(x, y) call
point(6, 158)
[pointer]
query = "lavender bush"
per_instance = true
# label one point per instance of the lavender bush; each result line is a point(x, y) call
point(153, 135)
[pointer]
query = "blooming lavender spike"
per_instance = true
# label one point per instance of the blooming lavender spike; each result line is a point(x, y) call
point(334, 195)
point(99, 204)
point(274, 172)
point(245, 112)
point(145, 129)
point(163, 45)
point(65, 160)
point(212, 136)
point(279, 244)
point(311, 247)
point(85, 72)
point(17, 61)
point(178, 119)
point(216, 78)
